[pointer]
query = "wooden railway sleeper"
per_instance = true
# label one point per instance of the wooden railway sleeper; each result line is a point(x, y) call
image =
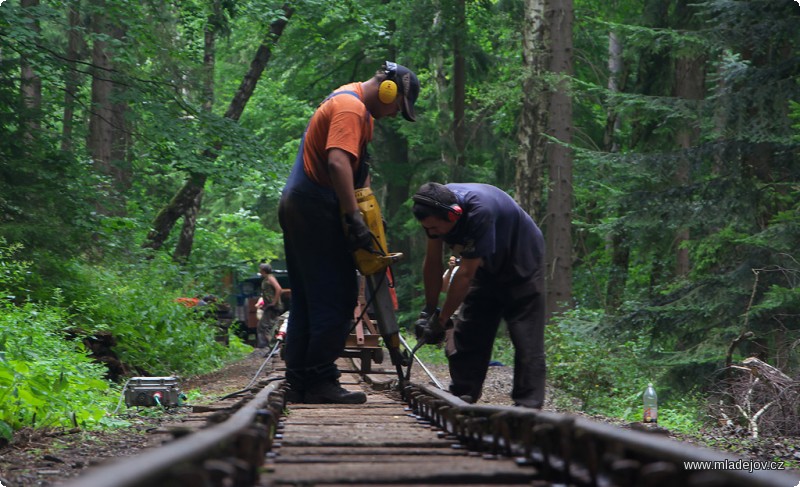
point(217, 472)
point(459, 426)
point(419, 405)
point(625, 472)
point(244, 474)
point(414, 399)
point(478, 429)
point(252, 445)
point(433, 405)
point(526, 440)
point(437, 415)
point(541, 439)
point(501, 434)
point(707, 479)
point(443, 415)
point(447, 422)
point(590, 458)
point(188, 475)
point(660, 474)
point(565, 428)
point(220, 472)
point(468, 438)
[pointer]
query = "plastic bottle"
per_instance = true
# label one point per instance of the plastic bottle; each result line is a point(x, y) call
point(650, 405)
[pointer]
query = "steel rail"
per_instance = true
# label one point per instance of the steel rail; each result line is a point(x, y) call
point(575, 450)
point(231, 449)
point(421, 364)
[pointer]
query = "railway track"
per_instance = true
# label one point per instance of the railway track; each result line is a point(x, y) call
point(419, 436)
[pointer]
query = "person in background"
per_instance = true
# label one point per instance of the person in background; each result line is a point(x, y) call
point(452, 268)
point(207, 300)
point(322, 227)
point(501, 276)
point(269, 304)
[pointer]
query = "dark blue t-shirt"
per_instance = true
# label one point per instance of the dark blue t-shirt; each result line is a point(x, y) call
point(495, 228)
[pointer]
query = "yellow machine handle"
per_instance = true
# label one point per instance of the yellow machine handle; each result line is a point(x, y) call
point(373, 264)
point(379, 259)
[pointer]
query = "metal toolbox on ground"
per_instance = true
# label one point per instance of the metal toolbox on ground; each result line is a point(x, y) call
point(153, 391)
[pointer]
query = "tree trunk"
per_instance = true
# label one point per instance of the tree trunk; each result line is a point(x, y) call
point(109, 137)
point(690, 78)
point(618, 272)
point(177, 207)
point(187, 196)
point(459, 91)
point(75, 49)
point(614, 71)
point(558, 234)
point(396, 169)
point(397, 174)
point(533, 116)
point(100, 130)
point(689, 85)
point(616, 243)
point(186, 238)
point(30, 82)
point(440, 76)
point(257, 66)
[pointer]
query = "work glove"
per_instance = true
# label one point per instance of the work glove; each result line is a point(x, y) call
point(422, 323)
point(357, 232)
point(428, 329)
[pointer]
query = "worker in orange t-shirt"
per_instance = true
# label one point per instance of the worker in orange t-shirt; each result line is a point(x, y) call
point(322, 227)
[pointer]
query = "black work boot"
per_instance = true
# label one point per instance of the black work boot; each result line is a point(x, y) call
point(294, 392)
point(528, 403)
point(294, 396)
point(330, 392)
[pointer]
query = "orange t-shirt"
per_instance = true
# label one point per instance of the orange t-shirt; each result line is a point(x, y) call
point(340, 122)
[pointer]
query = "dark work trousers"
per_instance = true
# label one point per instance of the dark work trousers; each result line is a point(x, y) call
point(522, 307)
point(265, 327)
point(323, 280)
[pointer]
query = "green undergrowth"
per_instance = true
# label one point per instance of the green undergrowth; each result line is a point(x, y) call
point(153, 332)
point(47, 377)
point(606, 375)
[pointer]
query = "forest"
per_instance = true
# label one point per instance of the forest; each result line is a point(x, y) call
point(144, 146)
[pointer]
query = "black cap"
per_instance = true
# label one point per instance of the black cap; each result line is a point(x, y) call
point(407, 84)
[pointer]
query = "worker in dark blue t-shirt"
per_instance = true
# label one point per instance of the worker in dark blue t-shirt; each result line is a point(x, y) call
point(501, 276)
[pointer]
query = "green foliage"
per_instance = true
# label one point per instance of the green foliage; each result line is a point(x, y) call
point(427, 354)
point(136, 303)
point(681, 412)
point(604, 375)
point(226, 238)
point(46, 378)
point(608, 374)
point(13, 271)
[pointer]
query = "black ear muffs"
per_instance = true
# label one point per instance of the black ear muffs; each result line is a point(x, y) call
point(452, 212)
point(387, 91)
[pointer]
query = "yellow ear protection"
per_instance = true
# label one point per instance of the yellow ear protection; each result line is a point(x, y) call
point(387, 91)
point(452, 212)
